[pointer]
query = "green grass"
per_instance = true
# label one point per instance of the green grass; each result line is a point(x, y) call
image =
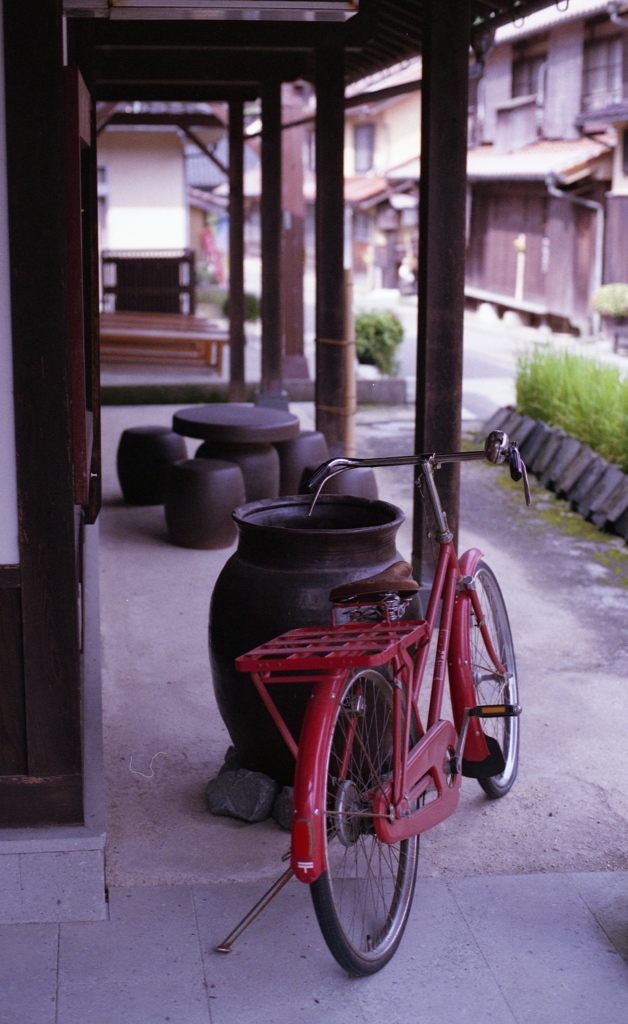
point(587, 399)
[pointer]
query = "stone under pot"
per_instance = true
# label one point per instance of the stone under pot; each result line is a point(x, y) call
point(278, 579)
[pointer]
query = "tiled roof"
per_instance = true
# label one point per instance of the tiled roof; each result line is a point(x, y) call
point(541, 21)
point(568, 160)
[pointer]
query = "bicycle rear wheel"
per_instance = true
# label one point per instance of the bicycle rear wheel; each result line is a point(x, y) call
point(491, 688)
point(363, 899)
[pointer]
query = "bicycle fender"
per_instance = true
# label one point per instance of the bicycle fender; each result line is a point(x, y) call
point(307, 852)
point(460, 671)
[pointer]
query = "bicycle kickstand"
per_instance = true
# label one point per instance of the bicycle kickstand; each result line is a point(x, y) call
point(225, 947)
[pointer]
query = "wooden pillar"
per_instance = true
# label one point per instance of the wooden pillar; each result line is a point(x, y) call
point(332, 385)
point(441, 255)
point(237, 387)
point(45, 784)
point(271, 237)
point(293, 234)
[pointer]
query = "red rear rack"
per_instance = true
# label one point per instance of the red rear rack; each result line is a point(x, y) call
point(312, 648)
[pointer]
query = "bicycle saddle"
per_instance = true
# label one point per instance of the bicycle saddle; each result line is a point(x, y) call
point(397, 578)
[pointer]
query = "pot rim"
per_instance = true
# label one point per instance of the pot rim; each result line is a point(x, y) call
point(244, 515)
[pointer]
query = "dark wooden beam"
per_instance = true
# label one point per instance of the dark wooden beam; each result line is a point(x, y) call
point(193, 66)
point(207, 92)
point(331, 382)
point(141, 120)
point(441, 255)
point(271, 237)
point(237, 388)
point(215, 34)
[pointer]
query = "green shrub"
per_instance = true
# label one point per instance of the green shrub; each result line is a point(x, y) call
point(252, 307)
point(378, 334)
point(611, 300)
point(587, 399)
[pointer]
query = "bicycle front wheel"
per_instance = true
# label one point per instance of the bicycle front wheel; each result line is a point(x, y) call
point(491, 688)
point(363, 899)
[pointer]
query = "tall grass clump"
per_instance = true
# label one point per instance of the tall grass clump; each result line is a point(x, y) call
point(588, 400)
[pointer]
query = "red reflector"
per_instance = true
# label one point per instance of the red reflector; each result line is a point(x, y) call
point(302, 840)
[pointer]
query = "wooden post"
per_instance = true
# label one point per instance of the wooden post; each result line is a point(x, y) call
point(271, 237)
point(331, 390)
point(49, 786)
point(237, 387)
point(441, 255)
point(293, 235)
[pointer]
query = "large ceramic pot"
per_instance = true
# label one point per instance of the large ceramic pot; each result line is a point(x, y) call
point(278, 579)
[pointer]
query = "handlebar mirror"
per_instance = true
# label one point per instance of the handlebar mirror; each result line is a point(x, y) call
point(496, 447)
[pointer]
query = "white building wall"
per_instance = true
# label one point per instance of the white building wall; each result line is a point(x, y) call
point(9, 550)
point(145, 181)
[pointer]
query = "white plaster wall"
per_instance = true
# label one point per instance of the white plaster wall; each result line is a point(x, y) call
point(146, 203)
point(9, 550)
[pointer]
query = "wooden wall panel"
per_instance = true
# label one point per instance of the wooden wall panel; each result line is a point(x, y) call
point(13, 757)
point(616, 250)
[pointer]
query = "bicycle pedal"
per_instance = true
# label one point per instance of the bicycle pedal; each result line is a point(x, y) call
point(495, 711)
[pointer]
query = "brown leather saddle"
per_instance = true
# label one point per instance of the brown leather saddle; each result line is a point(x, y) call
point(397, 578)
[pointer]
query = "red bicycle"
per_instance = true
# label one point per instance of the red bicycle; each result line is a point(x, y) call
point(377, 762)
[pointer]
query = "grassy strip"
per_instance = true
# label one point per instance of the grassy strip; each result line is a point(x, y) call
point(587, 399)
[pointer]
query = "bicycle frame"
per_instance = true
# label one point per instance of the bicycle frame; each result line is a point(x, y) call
point(433, 762)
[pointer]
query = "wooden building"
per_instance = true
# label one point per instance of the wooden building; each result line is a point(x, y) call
point(57, 60)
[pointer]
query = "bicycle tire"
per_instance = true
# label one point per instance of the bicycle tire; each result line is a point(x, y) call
point(363, 898)
point(491, 688)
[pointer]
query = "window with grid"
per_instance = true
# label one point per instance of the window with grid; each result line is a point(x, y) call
point(526, 75)
point(364, 143)
point(603, 73)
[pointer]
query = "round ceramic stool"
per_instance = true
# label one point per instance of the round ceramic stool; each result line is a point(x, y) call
point(308, 449)
point(145, 455)
point(200, 496)
point(259, 464)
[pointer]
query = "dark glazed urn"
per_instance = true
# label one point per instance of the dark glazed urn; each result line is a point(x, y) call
point(279, 579)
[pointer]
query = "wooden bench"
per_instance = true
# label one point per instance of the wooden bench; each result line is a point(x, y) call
point(161, 337)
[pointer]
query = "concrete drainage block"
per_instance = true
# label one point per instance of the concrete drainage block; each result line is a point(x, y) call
point(594, 488)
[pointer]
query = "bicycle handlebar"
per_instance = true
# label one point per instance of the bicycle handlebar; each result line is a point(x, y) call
point(497, 448)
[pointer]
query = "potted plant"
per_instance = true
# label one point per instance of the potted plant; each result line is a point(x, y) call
point(611, 302)
point(378, 334)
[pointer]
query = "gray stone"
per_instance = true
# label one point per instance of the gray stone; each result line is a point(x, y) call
point(585, 484)
point(566, 452)
point(548, 450)
point(512, 422)
point(570, 476)
point(523, 430)
point(496, 421)
point(620, 525)
point(603, 495)
point(242, 794)
point(534, 441)
point(619, 502)
point(282, 808)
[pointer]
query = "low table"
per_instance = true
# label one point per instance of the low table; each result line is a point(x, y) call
point(244, 434)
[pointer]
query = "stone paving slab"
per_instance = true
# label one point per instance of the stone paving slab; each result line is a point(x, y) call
point(527, 949)
point(28, 973)
point(143, 966)
point(553, 960)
